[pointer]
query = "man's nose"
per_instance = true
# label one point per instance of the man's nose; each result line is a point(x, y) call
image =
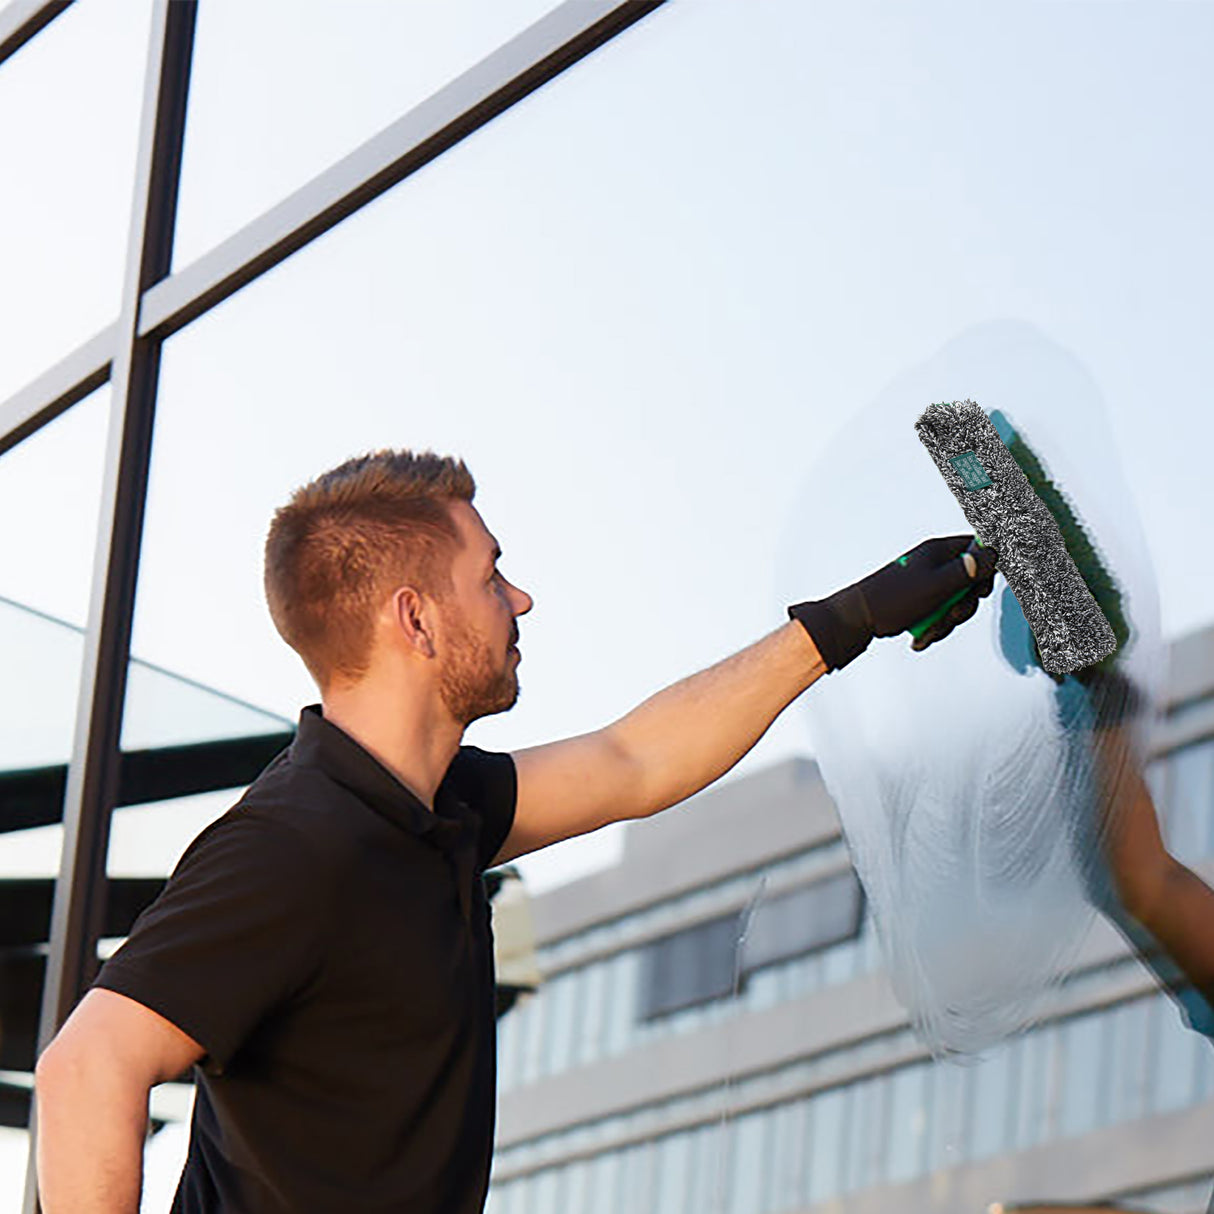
point(523, 602)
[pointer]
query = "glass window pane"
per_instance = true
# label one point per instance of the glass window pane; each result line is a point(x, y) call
point(621, 995)
point(604, 1181)
point(522, 1191)
point(673, 1160)
point(706, 1188)
point(68, 178)
point(948, 1139)
point(829, 1113)
point(589, 1028)
point(284, 88)
point(839, 963)
point(510, 1061)
point(866, 1155)
point(561, 996)
point(1191, 796)
point(55, 476)
point(806, 919)
point(748, 1143)
point(993, 1107)
point(1174, 1063)
point(1084, 1071)
point(545, 1192)
point(576, 1188)
point(1129, 1054)
point(636, 1177)
point(908, 1122)
point(1203, 1083)
point(790, 1146)
point(495, 298)
point(690, 967)
point(533, 1043)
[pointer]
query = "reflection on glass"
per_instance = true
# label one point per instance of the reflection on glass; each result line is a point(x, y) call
point(42, 655)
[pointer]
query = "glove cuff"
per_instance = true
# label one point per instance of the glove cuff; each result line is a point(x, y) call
point(839, 626)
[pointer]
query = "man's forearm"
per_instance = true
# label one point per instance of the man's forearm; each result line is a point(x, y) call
point(91, 1131)
point(684, 737)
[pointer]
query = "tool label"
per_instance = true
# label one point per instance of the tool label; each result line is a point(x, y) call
point(973, 474)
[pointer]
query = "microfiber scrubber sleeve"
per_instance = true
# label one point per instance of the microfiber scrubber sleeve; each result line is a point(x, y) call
point(1070, 629)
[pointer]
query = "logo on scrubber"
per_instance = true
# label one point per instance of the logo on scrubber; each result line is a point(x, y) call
point(973, 474)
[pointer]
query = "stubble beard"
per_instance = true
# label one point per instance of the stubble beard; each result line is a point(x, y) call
point(473, 683)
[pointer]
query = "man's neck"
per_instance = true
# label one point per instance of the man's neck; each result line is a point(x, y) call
point(411, 739)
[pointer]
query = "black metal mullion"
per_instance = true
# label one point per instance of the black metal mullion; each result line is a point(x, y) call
point(560, 39)
point(22, 19)
point(92, 780)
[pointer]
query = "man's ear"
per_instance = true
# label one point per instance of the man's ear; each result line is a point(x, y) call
point(413, 617)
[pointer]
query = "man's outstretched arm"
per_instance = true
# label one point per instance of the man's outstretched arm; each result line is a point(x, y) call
point(672, 745)
point(683, 738)
point(92, 1084)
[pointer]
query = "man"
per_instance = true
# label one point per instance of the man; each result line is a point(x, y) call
point(322, 953)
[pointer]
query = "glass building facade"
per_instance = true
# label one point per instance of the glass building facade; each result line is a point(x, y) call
point(631, 259)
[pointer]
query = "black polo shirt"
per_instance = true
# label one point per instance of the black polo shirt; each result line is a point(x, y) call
point(327, 942)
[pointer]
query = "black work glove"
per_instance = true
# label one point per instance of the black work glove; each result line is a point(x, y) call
point(898, 596)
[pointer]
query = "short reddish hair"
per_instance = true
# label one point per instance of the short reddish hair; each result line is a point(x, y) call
point(346, 539)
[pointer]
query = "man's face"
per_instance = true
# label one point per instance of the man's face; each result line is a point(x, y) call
point(480, 631)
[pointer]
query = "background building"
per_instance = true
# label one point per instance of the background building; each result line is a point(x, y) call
point(664, 1067)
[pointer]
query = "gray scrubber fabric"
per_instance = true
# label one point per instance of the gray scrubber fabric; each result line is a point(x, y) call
point(1071, 630)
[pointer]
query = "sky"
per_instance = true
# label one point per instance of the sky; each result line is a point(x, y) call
point(652, 306)
point(641, 304)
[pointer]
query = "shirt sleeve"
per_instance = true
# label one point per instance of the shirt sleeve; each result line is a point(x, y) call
point(487, 783)
point(234, 934)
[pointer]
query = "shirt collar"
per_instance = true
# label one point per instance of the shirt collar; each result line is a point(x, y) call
point(321, 744)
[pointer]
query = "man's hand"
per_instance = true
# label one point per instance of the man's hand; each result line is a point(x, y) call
point(900, 595)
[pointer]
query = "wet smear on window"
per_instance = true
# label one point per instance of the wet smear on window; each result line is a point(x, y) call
point(975, 789)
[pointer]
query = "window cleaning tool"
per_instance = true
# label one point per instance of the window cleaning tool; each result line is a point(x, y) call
point(995, 494)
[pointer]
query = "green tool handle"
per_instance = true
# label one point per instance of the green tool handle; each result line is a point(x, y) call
point(917, 630)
